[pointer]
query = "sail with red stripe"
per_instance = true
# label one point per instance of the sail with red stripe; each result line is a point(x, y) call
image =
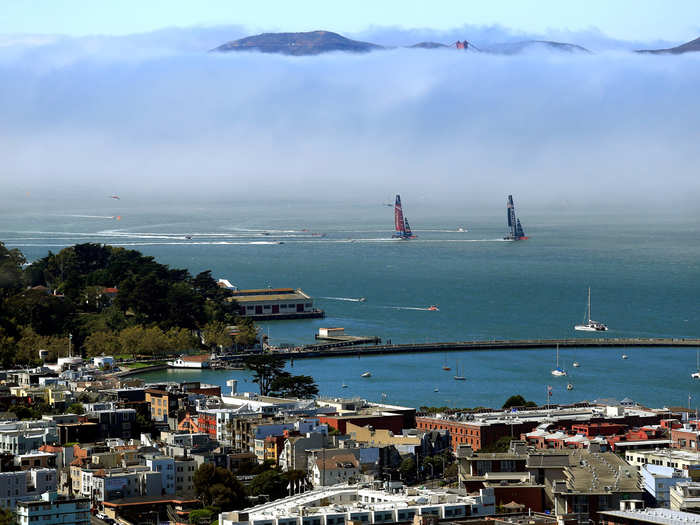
point(399, 224)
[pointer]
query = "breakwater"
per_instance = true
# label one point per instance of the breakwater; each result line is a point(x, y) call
point(310, 351)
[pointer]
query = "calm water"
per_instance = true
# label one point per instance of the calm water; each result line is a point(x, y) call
point(644, 274)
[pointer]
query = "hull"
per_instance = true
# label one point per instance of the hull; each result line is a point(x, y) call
point(558, 373)
point(590, 328)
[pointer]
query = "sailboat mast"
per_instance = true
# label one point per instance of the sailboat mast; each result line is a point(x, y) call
point(589, 304)
point(557, 356)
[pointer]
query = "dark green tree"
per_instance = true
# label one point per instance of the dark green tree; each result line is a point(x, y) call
point(287, 385)
point(265, 368)
point(218, 487)
point(518, 401)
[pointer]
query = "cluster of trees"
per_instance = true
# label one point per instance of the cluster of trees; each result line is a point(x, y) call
point(272, 379)
point(220, 491)
point(157, 310)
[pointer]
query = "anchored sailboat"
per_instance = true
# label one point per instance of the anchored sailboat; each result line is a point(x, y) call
point(589, 325)
point(459, 376)
point(403, 230)
point(558, 371)
point(696, 375)
point(515, 229)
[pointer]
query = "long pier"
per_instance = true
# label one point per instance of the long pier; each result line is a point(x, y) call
point(309, 351)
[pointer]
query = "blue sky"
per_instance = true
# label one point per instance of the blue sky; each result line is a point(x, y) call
point(625, 19)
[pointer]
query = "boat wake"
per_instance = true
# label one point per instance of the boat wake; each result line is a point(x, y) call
point(349, 299)
point(424, 309)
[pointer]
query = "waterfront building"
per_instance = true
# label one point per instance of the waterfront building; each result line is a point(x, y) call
point(25, 485)
point(649, 516)
point(688, 462)
point(340, 468)
point(166, 466)
point(483, 429)
point(275, 303)
point(685, 496)
point(573, 481)
point(657, 481)
point(163, 403)
point(52, 509)
point(367, 504)
point(191, 361)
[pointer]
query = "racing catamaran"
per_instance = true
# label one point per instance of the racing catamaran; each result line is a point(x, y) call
point(403, 230)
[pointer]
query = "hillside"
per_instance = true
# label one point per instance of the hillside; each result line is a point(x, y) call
point(298, 44)
point(688, 47)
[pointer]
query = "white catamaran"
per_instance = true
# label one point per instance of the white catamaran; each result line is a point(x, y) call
point(589, 325)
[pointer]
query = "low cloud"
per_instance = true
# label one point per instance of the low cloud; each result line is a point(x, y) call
point(159, 116)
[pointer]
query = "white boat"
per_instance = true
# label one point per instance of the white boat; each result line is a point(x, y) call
point(624, 356)
point(343, 385)
point(569, 386)
point(459, 376)
point(436, 389)
point(558, 371)
point(589, 325)
point(367, 374)
point(696, 375)
point(576, 364)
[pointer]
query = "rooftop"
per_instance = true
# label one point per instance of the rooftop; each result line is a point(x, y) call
point(656, 515)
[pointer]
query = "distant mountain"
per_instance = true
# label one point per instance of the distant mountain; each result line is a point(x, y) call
point(429, 45)
point(311, 43)
point(688, 47)
point(513, 48)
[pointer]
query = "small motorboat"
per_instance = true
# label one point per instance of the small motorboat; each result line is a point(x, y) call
point(569, 386)
point(343, 385)
point(446, 368)
point(433, 308)
point(576, 364)
point(461, 230)
point(188, 237)
point(366, 374)
point(436, 389)
point(624, 356)
point(361, 300)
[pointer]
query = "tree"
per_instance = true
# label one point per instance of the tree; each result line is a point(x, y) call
point(265, 368)
point(518, 401)
point(7, 517)
point(218, 487)
point(76, 408)
point(130, 340)
point(215, 334)
point(247, 333)
point(275, 484)
point(99, 343)
point(180, 340)
point(287, 385)
point(408, 468)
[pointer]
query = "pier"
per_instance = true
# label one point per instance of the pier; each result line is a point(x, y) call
point(332, 350)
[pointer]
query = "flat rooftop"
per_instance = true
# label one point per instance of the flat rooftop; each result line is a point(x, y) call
point(294, 295)
point(656, 515)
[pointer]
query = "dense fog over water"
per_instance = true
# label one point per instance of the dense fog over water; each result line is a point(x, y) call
point(159, 119)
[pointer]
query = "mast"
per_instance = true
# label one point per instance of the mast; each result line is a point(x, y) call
point(589, 304)
point(557, 356)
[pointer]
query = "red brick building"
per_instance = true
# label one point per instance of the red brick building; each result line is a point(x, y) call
point(393, 422)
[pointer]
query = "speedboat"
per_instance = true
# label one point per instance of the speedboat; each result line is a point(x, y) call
point(576, 365)
point(366, 374)
point(436, 389)
point(569, 386)
point(433, 308)
point(361, 300)
point(624, 356)
point(344, 385)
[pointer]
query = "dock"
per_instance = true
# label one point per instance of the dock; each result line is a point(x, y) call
point(339, 349)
